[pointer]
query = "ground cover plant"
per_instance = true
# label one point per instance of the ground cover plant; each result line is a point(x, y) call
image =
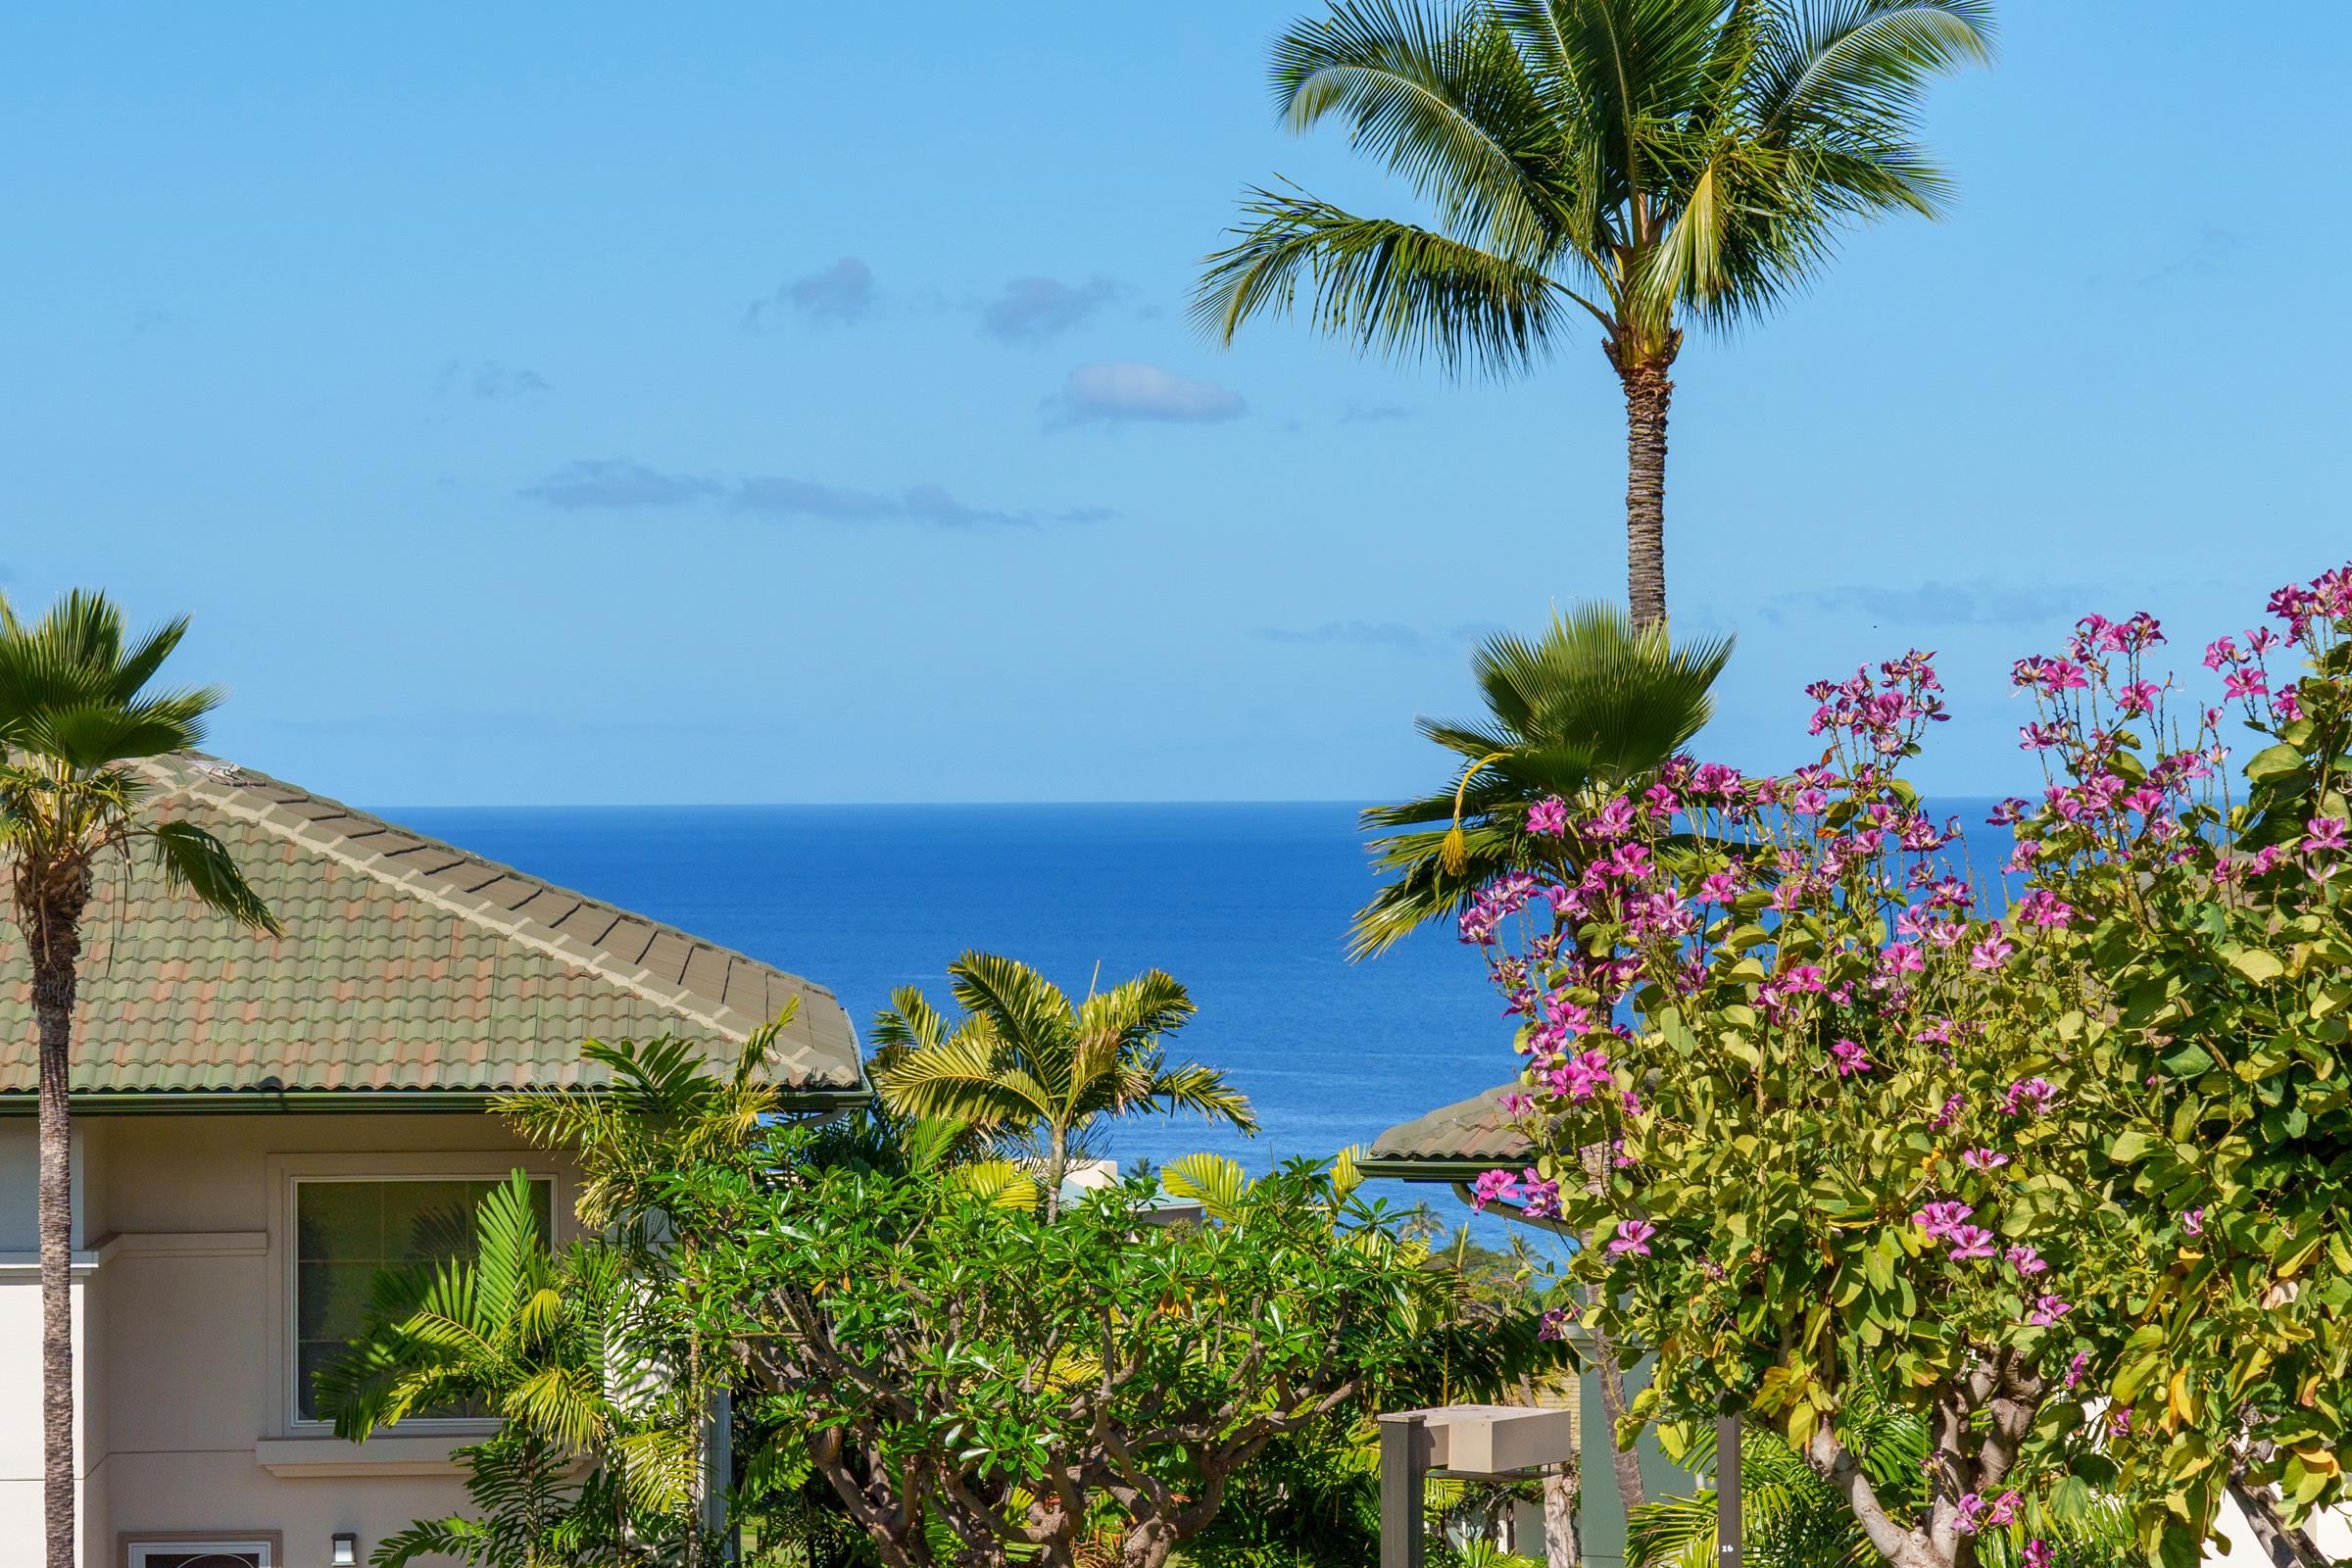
point(2058, 1171)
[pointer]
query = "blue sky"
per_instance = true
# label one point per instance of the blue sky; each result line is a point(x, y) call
point(786, 404)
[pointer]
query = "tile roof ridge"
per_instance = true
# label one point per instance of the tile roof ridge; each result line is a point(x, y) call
point(221, 785)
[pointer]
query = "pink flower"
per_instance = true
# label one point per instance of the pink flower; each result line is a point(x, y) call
point(1554, 1324)
point(2048, 1309)
point(2035, 1095)
point(2075, 1368)
point(2194, 1222)
point(2043, 908)
point(1941, 1218)
point(1493, 1187)
point(2323, 835)
point(1990, 953)
point(1613, 820)
point(1970, 1243)
point(1804, 977)
point(1516, 1103)
point(2004, 1508)
point(1633, 1238)
point(2120, 1423)
point(2246, 683)
point(2026, 1261)
point(1581, 1077)
point(1984, 1159)
point(1971, 1516)
point(1548, 816)
point(1542, 1196)
point(2040, 1555)
point(1720, 888)
point(1851, 1058)
point(1948, 1115)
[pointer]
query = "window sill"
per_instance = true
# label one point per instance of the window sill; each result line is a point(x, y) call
point(291, 1458)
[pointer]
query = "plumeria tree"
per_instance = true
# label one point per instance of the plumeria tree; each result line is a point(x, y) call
point(2061, 1179)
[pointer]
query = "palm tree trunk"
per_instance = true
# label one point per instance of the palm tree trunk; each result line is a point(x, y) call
point(1058, 1161)
point(1561, 1548)
point(53, 928)
point(1649, 390)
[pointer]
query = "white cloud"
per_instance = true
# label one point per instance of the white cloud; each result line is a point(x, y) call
point(1120, 390)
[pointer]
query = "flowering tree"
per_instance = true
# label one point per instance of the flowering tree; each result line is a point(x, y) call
point(2060, 1181)
point(2210, 939)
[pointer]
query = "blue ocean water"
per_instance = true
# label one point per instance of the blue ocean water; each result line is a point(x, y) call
point(1247, 904)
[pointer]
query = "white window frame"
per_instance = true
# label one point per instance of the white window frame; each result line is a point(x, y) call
point(135, 1548)
point(287, 1175)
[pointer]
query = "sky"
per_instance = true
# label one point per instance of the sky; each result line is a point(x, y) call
point(797, 403)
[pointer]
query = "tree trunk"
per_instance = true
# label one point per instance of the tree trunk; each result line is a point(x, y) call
point(1561, 1546)
point(1147, 1544)
point(1058, 1163)
point(52, 927)
point(2285, 1548)
point(1647, 391)
point(1623, 1460)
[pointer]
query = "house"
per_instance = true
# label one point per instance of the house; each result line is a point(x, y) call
point(260, 1124)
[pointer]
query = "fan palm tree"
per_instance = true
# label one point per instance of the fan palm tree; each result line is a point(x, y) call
point(1026, 1065)
point(77, 718)
point(1637, 162)
point(1589, 706)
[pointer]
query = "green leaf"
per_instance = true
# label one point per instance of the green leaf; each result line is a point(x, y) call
point(2257, 964)
point(2271, 762)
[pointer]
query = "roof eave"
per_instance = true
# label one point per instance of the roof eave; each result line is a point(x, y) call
point(346, 1102)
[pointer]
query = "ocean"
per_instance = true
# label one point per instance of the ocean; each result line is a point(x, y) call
point(1247, 904)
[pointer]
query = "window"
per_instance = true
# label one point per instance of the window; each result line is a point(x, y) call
point(201, 1554)
point(345, 1232)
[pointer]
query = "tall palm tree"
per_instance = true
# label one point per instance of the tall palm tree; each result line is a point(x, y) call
point(75, 718)
point(1637, 162)
point(1026, 1065)
point(1593, 703)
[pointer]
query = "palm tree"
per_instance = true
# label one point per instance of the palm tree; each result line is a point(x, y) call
point(75, 718)
point(1591, 704)
point(1637, 161)
point(1024, 1064)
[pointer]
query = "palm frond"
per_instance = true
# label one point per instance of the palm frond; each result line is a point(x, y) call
point(1442, 99)
point(1389, 286)
point(194, 861)
point(1215, 1182)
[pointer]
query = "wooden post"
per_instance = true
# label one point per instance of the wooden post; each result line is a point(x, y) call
point(1403, 1472)
point(1727, 1491)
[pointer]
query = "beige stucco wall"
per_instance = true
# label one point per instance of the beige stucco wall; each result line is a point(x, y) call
point(181, 1339)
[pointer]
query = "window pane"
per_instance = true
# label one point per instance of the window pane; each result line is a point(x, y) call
point(340, 1219)
point(347, 1232)
point(430, 1221)
point(332, 1300)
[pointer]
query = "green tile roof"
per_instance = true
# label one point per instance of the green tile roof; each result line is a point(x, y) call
point(408, 967)
point(1453, 1143)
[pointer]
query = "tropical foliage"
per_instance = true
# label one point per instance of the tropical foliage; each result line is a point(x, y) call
point(595, 1459)
point(1591, 706)
point(1020, 1380)
point(2054, 1181)
point(1633, 164)
point(77, 715)
point(1036, 1073)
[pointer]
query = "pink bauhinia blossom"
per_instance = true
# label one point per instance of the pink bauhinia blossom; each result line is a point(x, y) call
point(1633, 1238)
point(1971, 1244)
